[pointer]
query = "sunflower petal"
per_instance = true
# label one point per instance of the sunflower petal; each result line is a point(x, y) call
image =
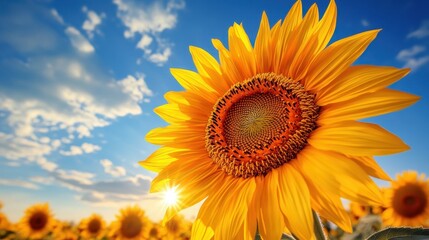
point(262, 49)
point(327, 204)
point(300, 44)
point(370, 166)
point(160, 159)
point(294, 200)
point(349, 179)
point(179, 136)
point(241, 51)
point(224, 221)
point(356, 138)
point(209, 69)
point(336, 58)
point(200, 230)
point(271, 223)
point(358, 80)
point(281, 34)
point(229, 70)
point(193, 82)
point(367, 105)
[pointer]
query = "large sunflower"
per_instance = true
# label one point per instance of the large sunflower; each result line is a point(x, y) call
point(130, 224)
point(407, 201)
point(36, 222)
point(258, 132)
point(92, 227)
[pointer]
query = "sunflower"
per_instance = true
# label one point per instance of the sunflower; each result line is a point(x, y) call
point(257, 132)
point(130, 224)
point(64, 231)
point(407, 201)
point(92, 227)
point(4, 222)
point(357, 211)
point(36, 222)
point(157, 232)
point(176, 227)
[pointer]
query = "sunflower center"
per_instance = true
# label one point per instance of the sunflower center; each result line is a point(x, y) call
point(131, 226)
point(153, 232)
point(410, 200)
point(38, 221)
point(260, 124)
point(94, 226)
point(172, 226)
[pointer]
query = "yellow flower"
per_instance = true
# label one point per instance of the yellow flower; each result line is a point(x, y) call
point(157, 232)
point(92, 227)
point(36, 222)
point(258, 132)
point(130, 224)
point(4, 222)
point(407, 201)
point(177, 227)
point(64, 231)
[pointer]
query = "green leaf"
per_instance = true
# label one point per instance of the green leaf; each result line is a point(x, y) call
point(401, 233)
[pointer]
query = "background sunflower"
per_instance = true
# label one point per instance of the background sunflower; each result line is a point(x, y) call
point(407, 200)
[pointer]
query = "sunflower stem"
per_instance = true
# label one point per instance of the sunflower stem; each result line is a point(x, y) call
point(318, 227)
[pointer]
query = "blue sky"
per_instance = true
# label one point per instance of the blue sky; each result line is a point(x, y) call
point(79, 81)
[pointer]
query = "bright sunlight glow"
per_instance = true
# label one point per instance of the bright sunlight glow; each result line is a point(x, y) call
point(170, 197)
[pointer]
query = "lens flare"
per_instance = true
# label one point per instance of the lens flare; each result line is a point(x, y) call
point(170, 196)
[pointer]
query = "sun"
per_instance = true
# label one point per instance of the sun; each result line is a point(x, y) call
point(171, 196)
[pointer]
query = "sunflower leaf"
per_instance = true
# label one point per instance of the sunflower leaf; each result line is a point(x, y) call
point(401, 233)
point(318, 227)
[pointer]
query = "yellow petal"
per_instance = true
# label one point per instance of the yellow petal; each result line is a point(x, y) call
point(263, 52)
point(294, 200)
point(180, 136)
point(241, 51)
point(335, 59)
point(315, 40)
point(367, 105)
point(230, 71)
point(358, 80)
point(171, 113)
point(160, 159)
point(200, 230)
point(282, 34)
point(188, 169)
point(356, 138)
point(327, 204)
point(336, 173)
point(226, 219)
point(270, 219)
point(370, 166)
point(300, 44)
point(192, 192)
point(209, 69)
point(193, 82)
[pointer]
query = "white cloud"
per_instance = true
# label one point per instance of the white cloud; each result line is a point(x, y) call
point(57, 16)
point(79, 150)
point(79, 41)
point(148, 22)
point(72, 176)
point(93, 20)
point(42, 180)
point(17, 183)
point(421, 32)
point(364, 22)
point(410, 57)
point(115, 171)
point(160, 58)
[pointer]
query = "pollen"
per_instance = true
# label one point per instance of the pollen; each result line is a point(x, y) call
point(260, 124)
